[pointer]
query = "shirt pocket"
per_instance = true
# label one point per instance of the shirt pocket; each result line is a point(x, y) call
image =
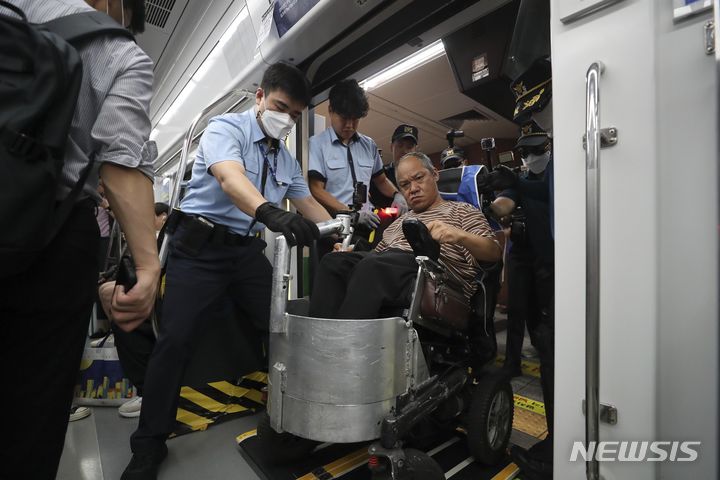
point(253, 167)
point(337, 161)
point(337, 171)
point(364, 165)
point(277, 186)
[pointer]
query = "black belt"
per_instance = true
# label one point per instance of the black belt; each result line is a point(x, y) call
point(221, 234)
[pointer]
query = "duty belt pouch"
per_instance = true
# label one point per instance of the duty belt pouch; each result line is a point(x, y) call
point(445, 303)
point(173, 221)
point(193, 235)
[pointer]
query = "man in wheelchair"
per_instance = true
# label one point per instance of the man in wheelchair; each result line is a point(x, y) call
point(376, 378)
point(357, 285)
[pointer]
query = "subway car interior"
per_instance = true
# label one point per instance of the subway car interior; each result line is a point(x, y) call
point(558, 314)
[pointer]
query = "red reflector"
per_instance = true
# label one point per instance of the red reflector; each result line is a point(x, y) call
point(373, 461)
point(388, 212)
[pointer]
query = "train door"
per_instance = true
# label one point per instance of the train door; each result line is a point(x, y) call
point(656, 270)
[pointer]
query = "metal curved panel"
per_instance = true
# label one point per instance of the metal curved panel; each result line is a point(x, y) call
point(334, 423)
point(342, 362)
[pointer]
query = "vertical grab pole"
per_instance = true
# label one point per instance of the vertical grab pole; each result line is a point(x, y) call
point(592, 265)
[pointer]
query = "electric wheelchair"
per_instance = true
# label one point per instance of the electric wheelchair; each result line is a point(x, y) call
point(387, 380)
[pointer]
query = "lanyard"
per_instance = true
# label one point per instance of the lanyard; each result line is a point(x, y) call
point(352, 166)
point(263, 181)
point(267, 166)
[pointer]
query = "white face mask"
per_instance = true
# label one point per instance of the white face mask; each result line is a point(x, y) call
point(122, 10)
point(276, 124)
point(537, 163)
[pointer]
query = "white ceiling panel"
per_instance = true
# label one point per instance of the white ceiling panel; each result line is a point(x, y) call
point(424, 97)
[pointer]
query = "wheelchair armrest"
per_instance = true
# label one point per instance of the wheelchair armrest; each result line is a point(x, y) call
point(438, 271)
point(429, 266)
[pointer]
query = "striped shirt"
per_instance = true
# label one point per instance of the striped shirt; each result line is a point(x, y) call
point(111, 121)
point(456, 258)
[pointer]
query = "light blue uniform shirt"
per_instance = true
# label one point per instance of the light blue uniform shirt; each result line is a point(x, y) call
point(328, 159)
point(237, 137)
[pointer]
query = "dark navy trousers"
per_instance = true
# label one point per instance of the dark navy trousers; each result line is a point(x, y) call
point(192, 285)
point(45, 313)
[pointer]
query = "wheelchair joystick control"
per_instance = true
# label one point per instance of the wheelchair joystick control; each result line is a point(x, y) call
point(420, 240)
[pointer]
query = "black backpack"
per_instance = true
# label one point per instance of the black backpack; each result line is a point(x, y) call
point(40, 77)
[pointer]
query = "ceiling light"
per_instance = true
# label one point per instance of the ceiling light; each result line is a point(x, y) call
point(417, 59)
point(205, 68)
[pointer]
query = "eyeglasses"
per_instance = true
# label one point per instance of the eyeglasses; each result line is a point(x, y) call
point(525, 151)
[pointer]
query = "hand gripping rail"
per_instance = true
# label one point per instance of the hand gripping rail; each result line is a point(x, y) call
point(341, 225)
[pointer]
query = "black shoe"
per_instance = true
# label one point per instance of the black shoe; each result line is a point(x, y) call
point(532, 467)
point(144, 466)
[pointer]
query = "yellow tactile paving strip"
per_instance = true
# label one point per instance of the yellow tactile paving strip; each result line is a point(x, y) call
point(529, 422)
point(528, 368)
point(507, 473)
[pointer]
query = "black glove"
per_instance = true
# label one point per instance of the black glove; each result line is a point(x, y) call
point(296, 229)
point(499, 179)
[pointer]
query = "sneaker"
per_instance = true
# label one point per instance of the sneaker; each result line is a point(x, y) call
point(104, 341)
point(144, 466)
point(77, 413)
point(131, 409)
point(98, 334)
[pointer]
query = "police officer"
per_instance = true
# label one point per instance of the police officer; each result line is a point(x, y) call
point(341, 158)
point(241, 172)
point(452, 157)
point(404, 140)
point(531, 259)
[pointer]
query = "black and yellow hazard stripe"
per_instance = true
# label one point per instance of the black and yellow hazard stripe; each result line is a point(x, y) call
point(529, 418)
point(200, 407)
point(339, 467)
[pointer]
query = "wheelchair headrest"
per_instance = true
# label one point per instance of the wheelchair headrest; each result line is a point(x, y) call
point(420, 240)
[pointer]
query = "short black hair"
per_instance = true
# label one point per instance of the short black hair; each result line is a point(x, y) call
point(348, 99)
point(289, 79)
point(137, 24)
point(161, 207)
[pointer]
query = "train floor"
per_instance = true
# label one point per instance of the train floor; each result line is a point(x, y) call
point(97, 447)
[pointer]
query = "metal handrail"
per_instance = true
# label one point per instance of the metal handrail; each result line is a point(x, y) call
point(197, 127)
point(218, 107)
point(592, 265)
point(341, 225)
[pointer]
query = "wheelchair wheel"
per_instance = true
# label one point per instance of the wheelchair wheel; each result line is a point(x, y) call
point(422, 467)
point(489, 419)
point(283, 447)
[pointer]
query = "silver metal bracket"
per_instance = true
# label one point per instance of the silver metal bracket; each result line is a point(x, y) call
point(608, 413)
point(709, 37)
point(277, 379)
point(608, 138)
